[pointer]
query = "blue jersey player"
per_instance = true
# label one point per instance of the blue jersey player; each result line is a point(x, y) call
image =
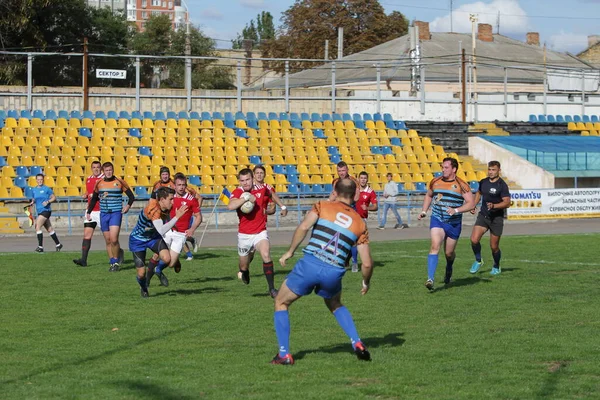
point(43, 196)
point(149, 231)
point(336, 227)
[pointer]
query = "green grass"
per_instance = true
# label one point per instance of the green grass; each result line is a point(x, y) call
point(530, 333)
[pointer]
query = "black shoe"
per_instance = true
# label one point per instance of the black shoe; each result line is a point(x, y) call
point(144, 293)
point(273, 293)
point(114, 267)
point(59, 246)
point(245, 277)
point(287, 360)
point(361, 352)
point(177, 266)
point(39, 249)
point(163, 279)
point(121, 256)
point(80, 262)
point(448, 277)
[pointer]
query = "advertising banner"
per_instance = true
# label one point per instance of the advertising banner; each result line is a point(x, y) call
point(554, 203)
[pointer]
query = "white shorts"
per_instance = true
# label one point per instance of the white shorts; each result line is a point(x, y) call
point(95, 216)
point(247, 243)
point(175, 241)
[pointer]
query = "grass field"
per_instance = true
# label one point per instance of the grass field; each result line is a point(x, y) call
point(85, 333)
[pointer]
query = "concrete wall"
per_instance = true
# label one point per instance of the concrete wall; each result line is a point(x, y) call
point(515, 168)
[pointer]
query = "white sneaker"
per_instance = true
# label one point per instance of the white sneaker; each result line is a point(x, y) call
point(189, 259)
point(354, 267)
point(195, 246)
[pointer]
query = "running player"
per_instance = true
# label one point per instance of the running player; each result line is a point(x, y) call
point(496, 199)
point(342, 170)
point(259, 179)
point(149, 231)
point(90, 226)
point(109, 192)
point(252, 230)
point(43, 196)
point(336, 227)
point(451, 196)
point(366, 202)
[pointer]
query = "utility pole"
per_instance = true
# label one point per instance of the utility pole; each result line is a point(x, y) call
point(473, 19)
point(340, 43)
point(464, 87)
point(451, 6)
point(86, 100)
point(326, 49)
point(498, 23)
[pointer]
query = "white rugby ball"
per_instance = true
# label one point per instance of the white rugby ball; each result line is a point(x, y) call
point(247, 207)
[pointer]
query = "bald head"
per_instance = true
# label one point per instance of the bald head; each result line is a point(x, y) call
point(345, 189)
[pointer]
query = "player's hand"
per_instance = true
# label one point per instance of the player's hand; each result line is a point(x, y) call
point(181, 211)
point(84, 196)
point(364, 207)
point(365, 288)
point(189, 233)
point(88, 216)
point(490, 206)
point(284, 212)
point(126, 208)
point(286, 256)
point(473, 211)
point(422, 215)
point(450, 211)
point(45, 203)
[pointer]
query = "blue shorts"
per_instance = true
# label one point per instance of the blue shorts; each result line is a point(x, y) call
point(136, 245)
point(110, 219)
point(310, 274)
point(451, 231)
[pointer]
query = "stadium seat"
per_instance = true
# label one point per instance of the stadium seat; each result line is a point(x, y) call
point(533, 118)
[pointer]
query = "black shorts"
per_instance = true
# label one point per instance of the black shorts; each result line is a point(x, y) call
point(45, 214)
point(495, 225)
point(139, 257)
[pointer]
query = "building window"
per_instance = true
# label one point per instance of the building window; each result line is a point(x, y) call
point(144, 15)
point(144, 3)
point(156, 3)
point(164, 4)
point(156, 13)
point(170, 5)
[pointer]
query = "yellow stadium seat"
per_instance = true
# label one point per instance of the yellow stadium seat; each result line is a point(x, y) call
point(87, 123)
point(24, 123)
point(73, 191)
point(124, 123)
point(74, 123)
point(16, 192)
point(136, 123)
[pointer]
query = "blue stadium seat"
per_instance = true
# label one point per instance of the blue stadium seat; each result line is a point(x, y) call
point(255, 160)
point(85, 132)
point(316, 117)
point(39, 114)
point(560, 118)
point(35, 170)
point(551, 118)
point(356, 117)
point(63, 114)
point(318, 188)
point(532, 118)
point(240, 115)
point(2, 114)
point(51, 114)
point(387, 149)
point(137, 115)
point(326, 117)
point(304, 116)
point(294, 117)
point(421, 186)
point(396, 141)
point(296, 124)
point(332, 150)
point(149, 115)
point(262, 116)
point(75, 114)
point(586, 118)
point(111, 115)
point(305, 188)
point(160, 116)
point(279, 169)
point(336, 117)
point(437, 174)
point(239, 132)
point(377, 117)
point(375, 149)
point(273, 116)
point(388, 117)
point(542, 118)
point(20, 181)
point(135, 132)
point(335, 158)
point(346, 117)
point(291, 169)
point(27, 192)
point(284, 117)
point(359, 125)
point(577, 118)
point(194, 115)
point(228, 116)
point(194, 180)
point(293, 188)
point(25, 114)
point(252, 123)
point(2, 162)
point(229, 123)
point(217, 115)
point(367, 117)
point(99, 115)
point(171, 115)
point(318, 133)
point(568, 118)
point(390, 125)
point(1, 123)
point(594, 118)
point(13, 114)
point(328, 187)
point(145, 151)
point(250, 116)
point(474, 185)
point(401, 187)
point(293, 178)
point(141, 191)
point(88, 114)
point(206, 116)
point(401, 125)
point(22, 171)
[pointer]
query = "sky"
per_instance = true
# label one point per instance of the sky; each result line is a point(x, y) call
point(564, 25)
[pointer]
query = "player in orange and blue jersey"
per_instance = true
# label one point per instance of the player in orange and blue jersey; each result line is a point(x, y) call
point(109, 192)
point(336, 227)
point(450, 196)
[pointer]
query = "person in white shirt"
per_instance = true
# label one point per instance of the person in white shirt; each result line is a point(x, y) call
point(390, 191)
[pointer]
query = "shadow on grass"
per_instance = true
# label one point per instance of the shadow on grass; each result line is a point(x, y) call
point(57, 367)
point(389, 340)
point(472, 280)
point(551, 382)
point(148, 390)
point(187, 292)
point(206, 256)
point(208, 279)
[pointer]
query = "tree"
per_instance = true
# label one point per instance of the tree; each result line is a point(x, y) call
point(258, 32)
point(308, 23)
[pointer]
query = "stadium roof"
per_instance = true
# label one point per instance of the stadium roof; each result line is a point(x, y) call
point(440, 54)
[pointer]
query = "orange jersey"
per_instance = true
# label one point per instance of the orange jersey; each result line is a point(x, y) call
point(110, 194)
point(447, 194)
point(158, 184)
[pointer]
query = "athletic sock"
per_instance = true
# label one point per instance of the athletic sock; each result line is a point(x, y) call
point(142, 282)
point(354, 254)
point(344, 319)
point(497, 256)
point(152, 263)
point(432, 262)
point(477, 251)
point(40, 237)
point(192, 240)
point(85, 249)
point(159, 267)
point(55, 238)
point(245, 274)
point(449, 264)
point(113, 260)
point(189, 254)
point(268, 270)
point(282, 330)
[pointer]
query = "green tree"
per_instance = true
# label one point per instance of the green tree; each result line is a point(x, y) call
point(308, 23)
point(258, 32)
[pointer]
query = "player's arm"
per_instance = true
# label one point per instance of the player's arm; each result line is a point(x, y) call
point(278, 201)
point(130, 196)
point(332, 196)
point(197, 221)
point(469, 202)
point(373, 206)
point(477, 198)
point(367, 266)
point(299, 234)
point(93, 201)
point(236, 202)
point(505, 195)
point(160, 226)
point(426, 203)
point(52, 198)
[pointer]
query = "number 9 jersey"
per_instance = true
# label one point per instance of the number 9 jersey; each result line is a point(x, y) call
point(337, 230)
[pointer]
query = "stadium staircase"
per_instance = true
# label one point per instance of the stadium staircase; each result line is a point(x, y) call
point(452, 136)
point(8, 222)
point(535, 128)
point(487, 128)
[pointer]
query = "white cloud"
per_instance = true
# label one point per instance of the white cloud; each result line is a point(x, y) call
point(252, 3)
point(211, 13)
point(567, 41)
point(513, 18)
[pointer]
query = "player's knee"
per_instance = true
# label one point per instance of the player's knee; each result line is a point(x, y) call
point(495, 248)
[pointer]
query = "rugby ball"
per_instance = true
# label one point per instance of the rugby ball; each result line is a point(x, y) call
point(247, 207)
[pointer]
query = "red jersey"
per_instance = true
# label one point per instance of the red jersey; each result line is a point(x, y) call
point(185, 221)
point(256, 221)
point(90, 185)
point(367, 197)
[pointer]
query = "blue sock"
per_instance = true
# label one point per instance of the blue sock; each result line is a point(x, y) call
point(432, 262)
point(189, 254)
point(142, 282)
point(113, 260)
point(282, 329)
point(497, 256)
point(344, 319)
point(477, 251)
point(159, 267)
point(354, 254)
